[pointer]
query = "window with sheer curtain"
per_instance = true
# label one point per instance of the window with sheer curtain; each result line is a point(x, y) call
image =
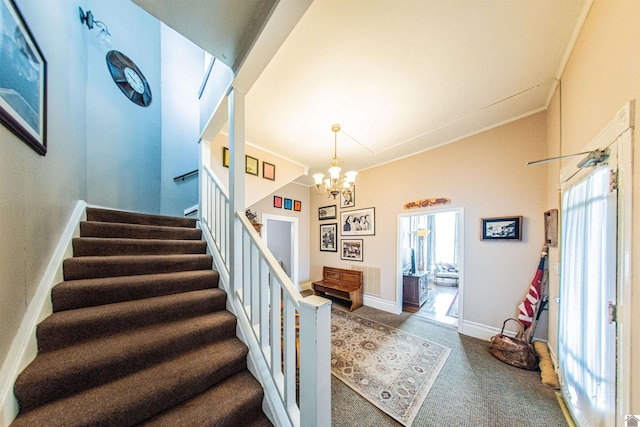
point(586, 339)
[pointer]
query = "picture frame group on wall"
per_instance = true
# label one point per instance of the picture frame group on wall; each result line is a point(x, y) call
point(23, 80)
point(327, 212)
point(329, 237)
point(251, 165)
point(501, 228)
point(359, 222)
point(351, 250)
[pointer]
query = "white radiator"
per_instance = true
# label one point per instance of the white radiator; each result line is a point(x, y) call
point(370, 279)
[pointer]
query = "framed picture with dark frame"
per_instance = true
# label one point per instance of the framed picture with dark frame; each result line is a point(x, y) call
point(327, 212)
point(288, 204)
point(351, 249)
point(277, 202)
point(268, 171)
point(225, 157)
point(297, 205)
point(350, 200)
point(251, 165)
point(551, 228)
point(360, 222)
point(501, 228)
point(329, 237)
point(23, 80)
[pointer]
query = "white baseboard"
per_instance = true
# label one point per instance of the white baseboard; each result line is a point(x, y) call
point(24, 346)
point(480, 331)
point(380, 304)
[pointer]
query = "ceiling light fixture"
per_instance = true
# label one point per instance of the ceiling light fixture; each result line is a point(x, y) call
point(336, 183)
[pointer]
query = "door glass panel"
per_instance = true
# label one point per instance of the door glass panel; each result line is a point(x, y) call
point(586, 338)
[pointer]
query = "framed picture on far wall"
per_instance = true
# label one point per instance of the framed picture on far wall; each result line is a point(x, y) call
point(251, 165)
point(329, 237)
point(288, 204)
point(277, 202)
point(351, 249)
point(23, 80)
point(327, 212)
point(297, 205)
point(269, 171)
point(361, 222)
point(350, 200)
point(225, 157)
point(501, 228)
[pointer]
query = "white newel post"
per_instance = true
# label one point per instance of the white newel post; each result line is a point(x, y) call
point(315, 361)
point(236, 185)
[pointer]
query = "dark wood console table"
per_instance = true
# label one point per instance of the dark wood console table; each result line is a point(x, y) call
point(415, 288)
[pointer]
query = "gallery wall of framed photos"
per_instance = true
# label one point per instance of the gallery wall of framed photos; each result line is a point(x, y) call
point(352, 223)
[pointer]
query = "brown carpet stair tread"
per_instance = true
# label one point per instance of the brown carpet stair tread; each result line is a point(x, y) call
point(139, 330)
point(108, 215)
point(101, 246)
point(62, 372)
point(232, 406)
point(136, 231)
point(106, 290)
point(91, 267)
point(73, 326)
point(139, 396)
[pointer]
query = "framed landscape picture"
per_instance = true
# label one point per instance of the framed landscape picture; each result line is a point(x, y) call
point(23, 80)
point(329, 237)
point(351, 249)
point(501, 228)
point(327, 212)
point(360, 222)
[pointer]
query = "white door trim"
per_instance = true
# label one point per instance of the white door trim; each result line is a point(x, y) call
point(460, 249)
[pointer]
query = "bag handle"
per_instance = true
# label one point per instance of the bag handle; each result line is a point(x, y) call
point(520, 333)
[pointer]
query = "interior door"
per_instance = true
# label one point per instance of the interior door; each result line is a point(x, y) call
point(587, 332)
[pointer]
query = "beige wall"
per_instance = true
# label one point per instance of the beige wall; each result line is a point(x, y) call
point(486, 175)
point(603, 74)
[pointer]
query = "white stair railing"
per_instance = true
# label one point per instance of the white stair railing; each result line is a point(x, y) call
point(271, 315)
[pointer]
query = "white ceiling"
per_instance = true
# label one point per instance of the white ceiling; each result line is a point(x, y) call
point(403, 76)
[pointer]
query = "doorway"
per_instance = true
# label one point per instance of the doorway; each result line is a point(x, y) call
point(280, 234)
point(430, 264)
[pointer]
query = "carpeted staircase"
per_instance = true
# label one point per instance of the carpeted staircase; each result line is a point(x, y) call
point(139, 334)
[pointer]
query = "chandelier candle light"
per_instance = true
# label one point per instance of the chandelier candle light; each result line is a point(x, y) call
point(336, 183)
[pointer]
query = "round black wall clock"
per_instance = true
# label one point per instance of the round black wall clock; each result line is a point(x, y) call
point(128, 77)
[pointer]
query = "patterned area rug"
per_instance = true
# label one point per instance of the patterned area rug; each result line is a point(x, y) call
point(390, 368)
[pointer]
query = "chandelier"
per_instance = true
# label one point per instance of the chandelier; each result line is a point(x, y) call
point(336, 183)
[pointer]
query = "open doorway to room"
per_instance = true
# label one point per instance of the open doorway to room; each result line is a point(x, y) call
point(280, 233)
point(430, 261)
